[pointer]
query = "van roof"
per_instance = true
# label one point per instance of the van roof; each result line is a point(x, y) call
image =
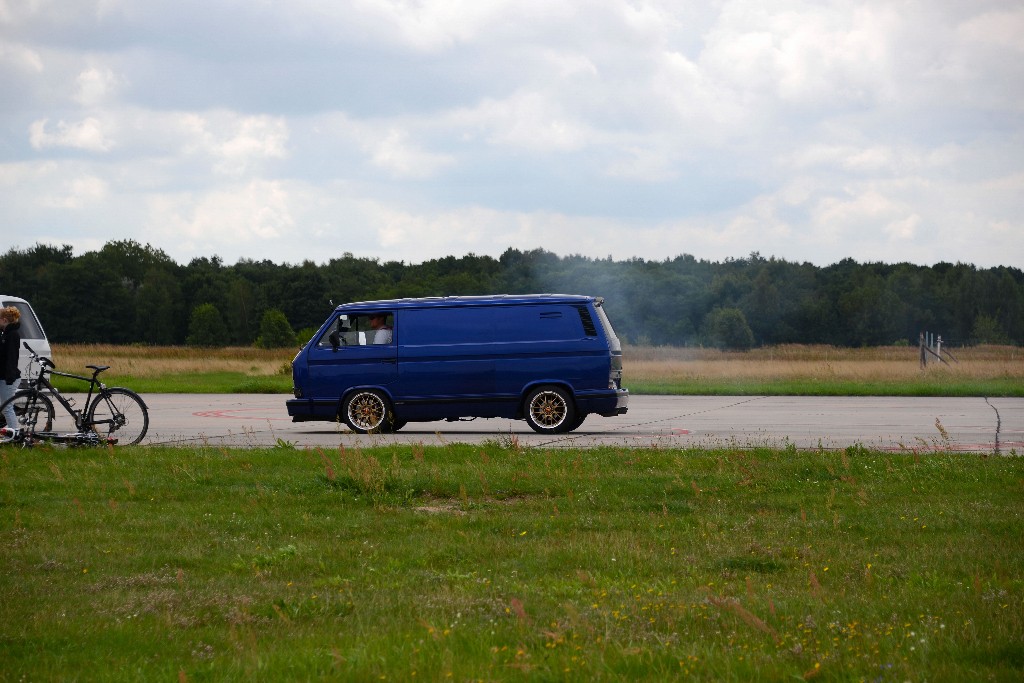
point(487, 300)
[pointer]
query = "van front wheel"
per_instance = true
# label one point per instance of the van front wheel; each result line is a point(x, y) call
point(550, 410)
point(368, 412)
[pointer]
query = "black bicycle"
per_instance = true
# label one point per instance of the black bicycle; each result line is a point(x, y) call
point(111, 415)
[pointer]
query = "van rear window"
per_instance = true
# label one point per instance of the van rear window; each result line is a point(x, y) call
point(29, 328)
point(609, 332)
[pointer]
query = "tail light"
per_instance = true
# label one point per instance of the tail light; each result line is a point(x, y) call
point(615, 373)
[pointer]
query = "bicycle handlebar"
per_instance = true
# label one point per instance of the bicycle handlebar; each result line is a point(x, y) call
point(42, 360)
point(46, 366)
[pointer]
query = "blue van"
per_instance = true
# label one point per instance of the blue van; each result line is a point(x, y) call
point(549, 359)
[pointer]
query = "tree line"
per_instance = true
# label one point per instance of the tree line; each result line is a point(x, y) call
point(129, 293)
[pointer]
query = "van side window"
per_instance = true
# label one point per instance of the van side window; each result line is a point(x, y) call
point(486, 324)
point(29, 325)
point(359, 329)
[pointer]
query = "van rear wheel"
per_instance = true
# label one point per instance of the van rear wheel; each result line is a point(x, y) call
point(550, 410)
point(368, 412)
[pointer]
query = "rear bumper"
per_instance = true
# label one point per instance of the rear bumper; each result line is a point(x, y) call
point(606, 403)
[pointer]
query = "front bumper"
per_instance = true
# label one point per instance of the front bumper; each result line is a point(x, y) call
point(311, 410)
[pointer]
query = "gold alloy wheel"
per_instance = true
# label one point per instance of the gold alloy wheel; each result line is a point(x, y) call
point(548, 409)
point(366, 411)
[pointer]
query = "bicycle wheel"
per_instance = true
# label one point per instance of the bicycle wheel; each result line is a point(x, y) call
point(119, 414)
point(33, 409)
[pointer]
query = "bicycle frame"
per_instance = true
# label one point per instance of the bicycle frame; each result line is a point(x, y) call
point(41, 384)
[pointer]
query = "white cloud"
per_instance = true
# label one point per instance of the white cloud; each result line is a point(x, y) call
point(529, 121)
point(19, 56)
point(234, 144)
point(256, 138)
point(439, 233)
point(861, 160)
point(904, 228)
point(644, 164)
point(95, 85)
point(803, 52)
point(397, 154)
point(430, 26)
point(999, 29)
point(88, 134)
point(230, 216)
point(81, 192)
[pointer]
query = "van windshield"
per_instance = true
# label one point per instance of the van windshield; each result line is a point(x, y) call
point(30, 328)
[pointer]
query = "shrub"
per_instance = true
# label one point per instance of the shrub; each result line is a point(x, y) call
point(206, 327)
point(727, 328)
point(275, 331)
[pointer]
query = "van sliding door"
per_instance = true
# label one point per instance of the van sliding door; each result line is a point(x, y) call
point(446, 354)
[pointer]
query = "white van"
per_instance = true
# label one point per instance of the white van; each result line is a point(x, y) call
point(31, 332)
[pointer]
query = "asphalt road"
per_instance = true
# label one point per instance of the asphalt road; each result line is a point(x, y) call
point(960, 424)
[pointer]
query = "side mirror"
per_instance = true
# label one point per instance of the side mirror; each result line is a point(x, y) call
point(335, 340)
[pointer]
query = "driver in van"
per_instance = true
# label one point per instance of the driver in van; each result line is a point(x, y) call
point(382, 331)
point(10, 348)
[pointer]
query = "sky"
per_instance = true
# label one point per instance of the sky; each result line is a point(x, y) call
point(406, 130)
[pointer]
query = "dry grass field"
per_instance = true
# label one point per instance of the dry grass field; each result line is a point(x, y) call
point(796, 362)
point(982, 370)
point(157, 361)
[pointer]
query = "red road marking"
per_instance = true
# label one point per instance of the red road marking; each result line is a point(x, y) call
point(229, 413)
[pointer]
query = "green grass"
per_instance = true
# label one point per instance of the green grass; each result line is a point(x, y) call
point(493, 563)
point(927, 386)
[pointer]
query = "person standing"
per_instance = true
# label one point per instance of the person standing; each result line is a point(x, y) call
point(10, 350)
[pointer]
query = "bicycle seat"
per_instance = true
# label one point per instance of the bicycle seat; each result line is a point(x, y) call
point(98, 368)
